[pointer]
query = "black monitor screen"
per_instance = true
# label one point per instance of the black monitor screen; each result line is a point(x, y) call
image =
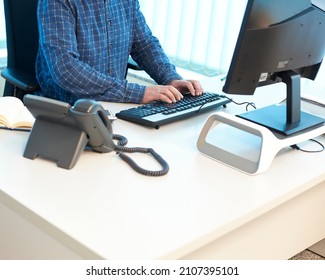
point(279, 41)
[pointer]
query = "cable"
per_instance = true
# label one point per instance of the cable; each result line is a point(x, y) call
point(243, 103)
point(122, 141)
point(121, 150)
point(205, 102)
point(296, 147)
point(237, 103)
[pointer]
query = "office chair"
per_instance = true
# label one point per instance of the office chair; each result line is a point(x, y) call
point(22, 47)
point(132, 65)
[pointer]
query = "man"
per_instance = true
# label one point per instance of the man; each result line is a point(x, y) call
point(84, 48)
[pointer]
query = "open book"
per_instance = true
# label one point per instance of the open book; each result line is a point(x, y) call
point(14, 114)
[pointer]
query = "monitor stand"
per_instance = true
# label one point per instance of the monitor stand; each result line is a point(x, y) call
point(286, 119)
point(222, 129)
point(270, 129)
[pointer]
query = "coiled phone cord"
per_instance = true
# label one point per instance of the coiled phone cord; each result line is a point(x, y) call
point(121, 150)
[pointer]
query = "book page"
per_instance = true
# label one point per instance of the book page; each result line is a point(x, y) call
point(12, 110)
point(25, 119)
point(10, 107)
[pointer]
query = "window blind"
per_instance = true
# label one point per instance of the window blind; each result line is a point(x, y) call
point(2, 23)
point(3, 47)
point(199, 35)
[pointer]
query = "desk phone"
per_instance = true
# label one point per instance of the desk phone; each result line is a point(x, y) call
point(61, 132)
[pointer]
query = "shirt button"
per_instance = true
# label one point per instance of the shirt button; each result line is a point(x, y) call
point(108, 23)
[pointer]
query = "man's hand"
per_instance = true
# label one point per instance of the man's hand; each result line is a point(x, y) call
point(172, 92)
point(184, 86)
point(168, 94)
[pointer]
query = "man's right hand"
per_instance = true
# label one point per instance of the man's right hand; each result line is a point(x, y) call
point(168, 94)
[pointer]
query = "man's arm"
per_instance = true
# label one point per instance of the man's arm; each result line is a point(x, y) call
point(149, 54)
point(57, 26)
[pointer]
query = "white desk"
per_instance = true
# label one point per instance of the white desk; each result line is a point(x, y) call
point(200, 209)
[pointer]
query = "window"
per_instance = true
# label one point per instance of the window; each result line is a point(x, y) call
point(196, 36)
point(3, 48)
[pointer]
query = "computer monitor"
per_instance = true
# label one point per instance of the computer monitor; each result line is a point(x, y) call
point(279, 41)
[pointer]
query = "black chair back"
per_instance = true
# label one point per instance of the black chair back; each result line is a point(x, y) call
point(22, 45)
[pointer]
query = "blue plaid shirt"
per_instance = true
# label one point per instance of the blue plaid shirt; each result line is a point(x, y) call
point(84, 49)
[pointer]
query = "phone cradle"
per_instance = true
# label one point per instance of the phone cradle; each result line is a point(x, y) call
point(244, 145)
point(54, 135)
point(57, 142)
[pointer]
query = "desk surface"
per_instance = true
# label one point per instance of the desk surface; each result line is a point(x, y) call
point(102, 208)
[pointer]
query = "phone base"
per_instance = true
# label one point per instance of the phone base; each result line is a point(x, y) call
point(56, 141)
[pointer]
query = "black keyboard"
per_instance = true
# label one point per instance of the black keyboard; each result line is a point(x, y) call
point(159, 113)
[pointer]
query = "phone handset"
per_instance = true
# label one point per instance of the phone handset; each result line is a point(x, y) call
point(91, 117)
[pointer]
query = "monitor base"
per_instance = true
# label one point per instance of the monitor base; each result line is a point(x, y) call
point(274, 117)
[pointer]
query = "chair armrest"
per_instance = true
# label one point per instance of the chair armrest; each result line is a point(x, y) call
point(20, 79)
point(133, 65)
point(29, 83)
